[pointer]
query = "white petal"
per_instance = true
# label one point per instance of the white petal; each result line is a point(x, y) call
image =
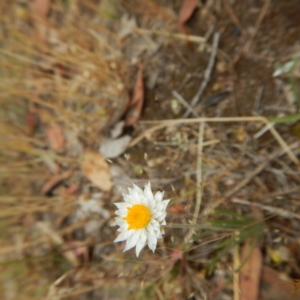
point(121, 205)
point(154, 223)
point(150, 228)
point(118, 221)
point(132, 241)
point(152, 241)
point(135, 196)
point(123, 227)
point(157, 214)
point(127, 198)
point(148, 193)
point(160, 206)
point(151, 205)
point(124, 236)
point(144, 200)
point(158, 196)
point(139, 246)
point(137, 189)
point(122, 213)
point(162, 217)
point(166, 202)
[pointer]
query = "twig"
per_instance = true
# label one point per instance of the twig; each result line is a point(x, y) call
point(274, 210)
point(207, 74)
point(184, 103)
point(232, 15)
point(246, 48)
point(263, 130)
point(283, 144)
point(258, 98)
point(187, 77)
point(257, 25)
point(204, 119)
point(177, 36)
point(256, 171)
point(280, 193)
point(165, 123)
point(199, 180)
point(236, 265)
point(199, 170)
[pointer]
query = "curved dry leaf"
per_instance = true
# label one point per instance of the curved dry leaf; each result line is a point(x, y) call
point(55, 137)
point(55, 180)
point(250, 273)
point(96, 169)
point(117, 129)
point(128, 24)
point(31, 122)
point(135, 107)
point(40, 8)
point(186, 11)
point(112, 148)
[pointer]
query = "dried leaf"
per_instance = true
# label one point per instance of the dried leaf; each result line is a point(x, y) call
point(31, 122)
point(111, 148)
point(137, 101)
point(276, 285)
point(286, 68)
point(40, 8)
point(55, 180)
point(117, 129)
point(127, 25)
point(55, 137)
point(177, 208)
point(186, 11)
point(96, 169)
point(250, 272)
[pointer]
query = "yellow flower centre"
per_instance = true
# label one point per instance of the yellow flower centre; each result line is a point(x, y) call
point(138, 216)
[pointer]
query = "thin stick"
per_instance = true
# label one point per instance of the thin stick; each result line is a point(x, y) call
point(184, 103)
point(283, 144)
point(145, 133)
point(263, 130)
point(257, 25)
point(207, 74)
point(199, 180)
point(232, 15)
point(177, 36)
point(258, 98)
point(251, 175)
point(259, 169)
point(278, 211)
point(165, 123)
point(236, 265)
point(199, 171)
point(246, 48)
point(204, 119)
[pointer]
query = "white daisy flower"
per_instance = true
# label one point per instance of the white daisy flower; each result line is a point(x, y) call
point(141, 218)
